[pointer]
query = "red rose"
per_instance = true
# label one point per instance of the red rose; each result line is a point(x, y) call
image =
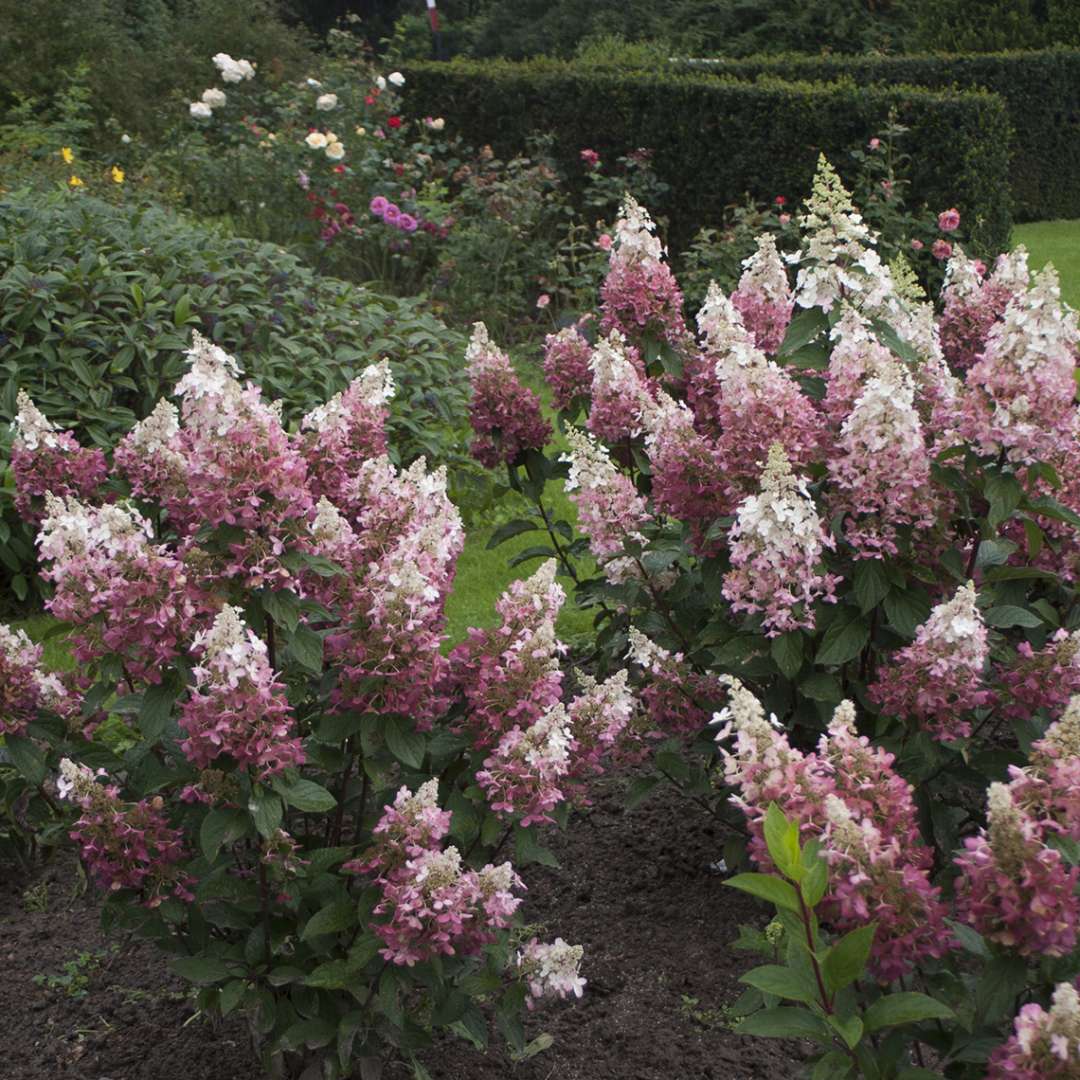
point(369, 100)
point(394, 122)
point(780, 200)
point(339, 168)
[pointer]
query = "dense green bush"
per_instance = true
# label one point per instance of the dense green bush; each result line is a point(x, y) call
point(715, 140)
point(961, 26)
point(97, 304)
point(1041, 91)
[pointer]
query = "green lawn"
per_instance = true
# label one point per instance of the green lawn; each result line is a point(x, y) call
point(1057, 242)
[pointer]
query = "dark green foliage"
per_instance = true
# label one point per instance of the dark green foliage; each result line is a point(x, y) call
point(716, 139)
point(963, 26)
point(1041, 91)
point(97, 305)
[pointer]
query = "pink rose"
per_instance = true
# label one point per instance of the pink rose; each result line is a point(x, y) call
point(604, 242)
point(948, 219)
point(942, 249)
point(543, 300)
point(916, 245)
point(785, 218)
point(874, 144)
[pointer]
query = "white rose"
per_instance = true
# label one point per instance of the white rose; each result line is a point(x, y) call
point(213, 97)
point(335, 151)
point(200, 110)
point(438, 124)
point(314, 84)
point(380, 82)
point(125, 138)
point(326, 102)
point(396, 78)
point(316, 140)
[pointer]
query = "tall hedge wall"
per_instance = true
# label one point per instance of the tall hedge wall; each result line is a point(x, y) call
point(1041, 90)
point(716, 139)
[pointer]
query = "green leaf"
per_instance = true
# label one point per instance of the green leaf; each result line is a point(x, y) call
point(850, 1029)
point(156, 709)
point(907, 610)
point(766, 887)
point(202, 970)
point(510, 530)
point(333, 975)
point(1005, 615)
point(1005, 495)
point(971, 940)
point(26, 757)
point(782, 840)
point(640, 788)
point(306, 648)
point(266, 811)
point(283, 607)
point(782, 981)
point(1002, 980)
point(802, 329)
point(822, 687)
point(230, 996)
point(311, 1033)
point(871, 584)
point(182, 310)
point(221, 826)
point(846, 960)
point(843, 641)
point(784, 1022)
point(332, 919)
point(816, 879)
point(787, 652)
point(904, 1007)
point(305, 795)
point(527, 849)
point(835, 1065)
point(405, 743)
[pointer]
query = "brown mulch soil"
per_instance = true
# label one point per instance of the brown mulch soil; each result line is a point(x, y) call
point(634, 888)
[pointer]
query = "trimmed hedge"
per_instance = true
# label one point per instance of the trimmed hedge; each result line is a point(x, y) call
point(1041, 90)
point(716, 139)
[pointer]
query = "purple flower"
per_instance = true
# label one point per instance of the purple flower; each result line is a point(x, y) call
point(303, 180)
point(407, 223)
point(391, 213)
point(378, 205)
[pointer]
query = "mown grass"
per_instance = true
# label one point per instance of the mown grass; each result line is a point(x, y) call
point(1057, 242)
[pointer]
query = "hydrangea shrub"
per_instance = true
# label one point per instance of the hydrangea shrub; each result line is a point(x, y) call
point(264, 756)
point(841, 522)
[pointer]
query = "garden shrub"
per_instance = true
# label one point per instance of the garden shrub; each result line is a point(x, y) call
point(97, 301)
point(137, 56)
point(838, 534)
point(715, 140)
point(309, 804)
point(1041, 90)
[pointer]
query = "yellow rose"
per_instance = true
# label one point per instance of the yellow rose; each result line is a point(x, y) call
point(67, 155)
point(75, 182)
point(117, 174)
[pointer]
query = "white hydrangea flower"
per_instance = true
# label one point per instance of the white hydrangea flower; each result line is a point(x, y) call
point(200, 110)
point(213, 97)
point(396, 78)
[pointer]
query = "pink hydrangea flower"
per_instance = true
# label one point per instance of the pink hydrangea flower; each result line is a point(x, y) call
point(1014, 889)
point(25, 687)
point(125, 845)
point(45, 460)
point(764, 297)
point(551, 971)
point(640, 296)
point(237, 706)
point(776, 548)
point(611, 513)
point(1019, 394)
point(620, 390)
point(505, 415)
point(566, 365)
point(1044, 1045)
point(938, 679)
point(510, 675)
